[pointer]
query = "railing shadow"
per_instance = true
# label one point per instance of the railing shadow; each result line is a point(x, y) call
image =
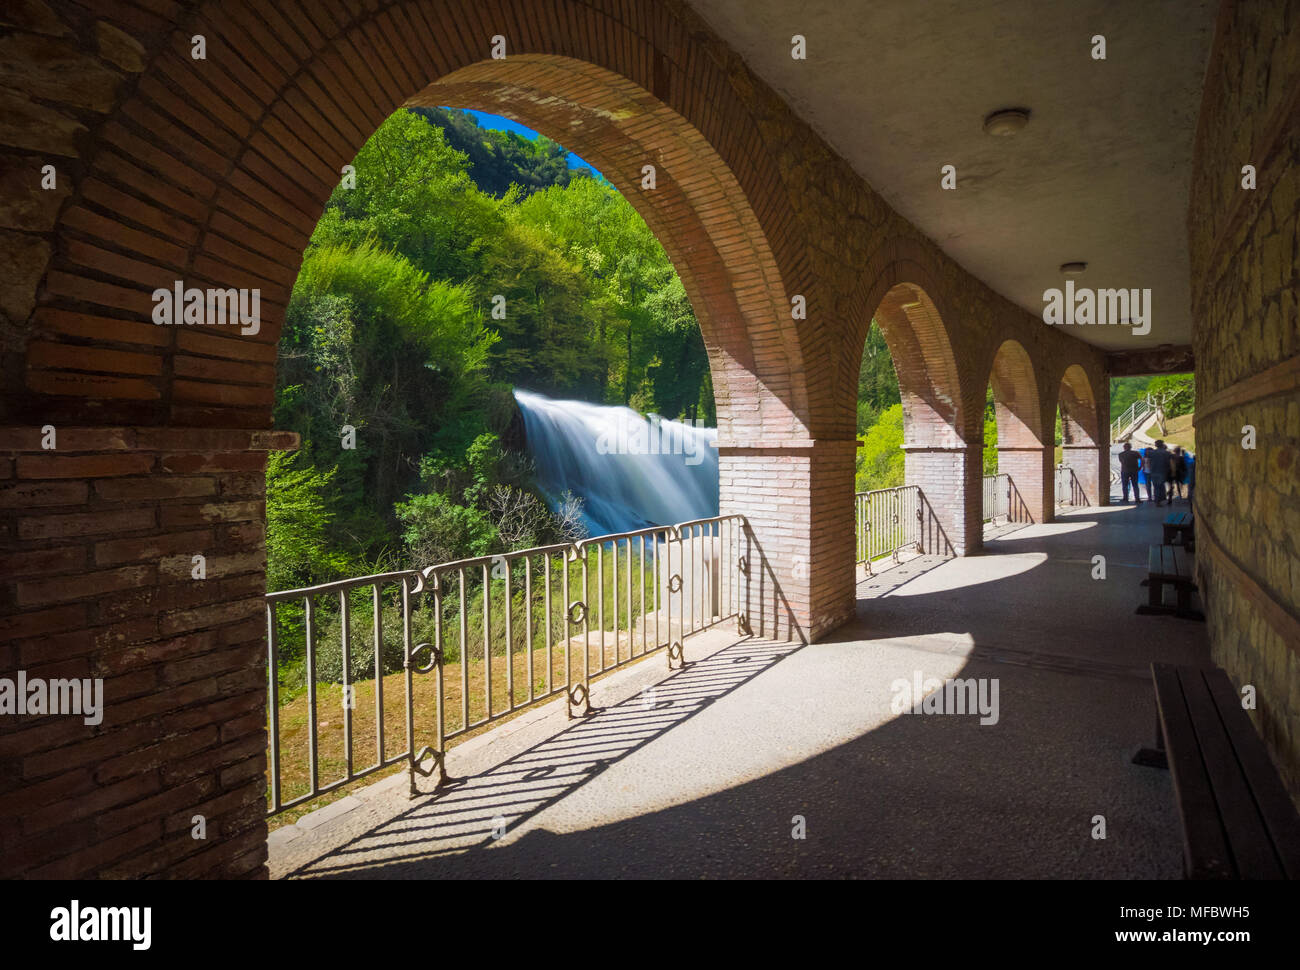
point(895, 577)
point(766, 612)
point(1067, 482)
point(469, 814)
point(934, 540)
point(1017, 511)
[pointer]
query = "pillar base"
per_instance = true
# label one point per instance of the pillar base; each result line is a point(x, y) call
point(951, 480)
point(1091, 467)
point(798, 501)
point(1029, 469)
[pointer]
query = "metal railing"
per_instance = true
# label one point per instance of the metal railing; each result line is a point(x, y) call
point(1133, 416)
point(997, 498)
point(887, 521)
point(1068, 489)
point(497, 634)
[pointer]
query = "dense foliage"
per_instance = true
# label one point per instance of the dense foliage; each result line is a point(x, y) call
point(496, 160)
point(1176, 391)
point(397, 363)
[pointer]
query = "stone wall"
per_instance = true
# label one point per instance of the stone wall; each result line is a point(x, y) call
point(1247, 337)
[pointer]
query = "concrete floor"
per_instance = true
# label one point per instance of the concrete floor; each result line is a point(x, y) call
point(704, 777)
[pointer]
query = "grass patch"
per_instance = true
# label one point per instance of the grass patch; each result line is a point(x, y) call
point(295, 720)
point(1180, 431)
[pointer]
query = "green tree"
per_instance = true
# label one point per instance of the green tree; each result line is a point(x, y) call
point(1173, 394)
point(880, 460)
point(990, 434)
point(497, 160)
point(297, 523)
point(877, 381)
point(1124, 391)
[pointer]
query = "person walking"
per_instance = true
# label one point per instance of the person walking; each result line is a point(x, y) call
point(1176, 472)
point(1159, 473)
point(1130, 465)
point(1144, 472)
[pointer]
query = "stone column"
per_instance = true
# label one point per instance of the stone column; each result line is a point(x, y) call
point(951, 481)
point(1030, 470)
point(798, 499)
point(1091, 466)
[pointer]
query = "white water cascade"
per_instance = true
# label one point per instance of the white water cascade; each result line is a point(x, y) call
point(631, 473)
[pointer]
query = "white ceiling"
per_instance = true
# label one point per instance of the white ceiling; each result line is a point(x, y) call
point(901, 87)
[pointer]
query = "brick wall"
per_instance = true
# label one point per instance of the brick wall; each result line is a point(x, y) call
point(214, 172)
point(100, 538)
point(1031, 475)
point(1245, 255)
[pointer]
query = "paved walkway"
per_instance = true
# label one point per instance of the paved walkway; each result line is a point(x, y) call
point(709, 775)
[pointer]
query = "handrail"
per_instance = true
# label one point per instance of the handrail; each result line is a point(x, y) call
point(996, 501)
point(482, 626)
point(887, 520)
point(1134, 414)
point(1068, 489)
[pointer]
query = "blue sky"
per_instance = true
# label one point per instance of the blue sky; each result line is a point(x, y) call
point(498, 123)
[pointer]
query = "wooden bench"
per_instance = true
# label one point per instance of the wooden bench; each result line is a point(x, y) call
point(1238, 821)
point(1173, 566)
point(1179, 526)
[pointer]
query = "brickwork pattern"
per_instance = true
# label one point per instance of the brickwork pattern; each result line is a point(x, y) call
point(1245, 253)
point(215, 171)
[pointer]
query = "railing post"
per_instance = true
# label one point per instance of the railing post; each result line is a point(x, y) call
point(438, 751)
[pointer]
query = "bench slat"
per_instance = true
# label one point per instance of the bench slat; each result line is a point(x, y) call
point(1248, 838)
point(1205, 849)
point(1155, 560)
point(1165, 563)
point(1275, 807)
point(1178, 563)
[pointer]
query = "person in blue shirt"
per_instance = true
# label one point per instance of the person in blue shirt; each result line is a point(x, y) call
point(1144, 469)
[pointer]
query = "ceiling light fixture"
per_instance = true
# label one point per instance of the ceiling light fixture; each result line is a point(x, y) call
point(1073, 269)
point(1005, 122)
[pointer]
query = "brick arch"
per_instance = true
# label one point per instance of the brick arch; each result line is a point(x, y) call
point(217, 176)
point(1080, 424)
point(902, 300)
point(1015, 397)
point(698, 211)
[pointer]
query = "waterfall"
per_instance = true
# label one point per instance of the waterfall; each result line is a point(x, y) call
point(631, 473)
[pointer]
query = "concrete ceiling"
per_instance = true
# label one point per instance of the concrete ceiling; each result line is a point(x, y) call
point(901, 87)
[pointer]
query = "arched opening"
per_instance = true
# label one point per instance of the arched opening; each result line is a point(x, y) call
point(916, 500)
point(478, 349)
point(1017, 492)
point(691, 201)
point(213, 174)
point(927, 372)
point(1084, 468)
